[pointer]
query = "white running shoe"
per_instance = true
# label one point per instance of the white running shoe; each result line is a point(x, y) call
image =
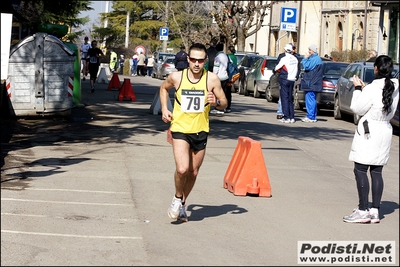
point(173, 210)
point(374, 214)
point(358, 216)
point(217, 112)
point(306, 119)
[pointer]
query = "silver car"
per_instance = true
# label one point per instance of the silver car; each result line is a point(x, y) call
point(345, 87)
point(162, 70)
point(257, 78)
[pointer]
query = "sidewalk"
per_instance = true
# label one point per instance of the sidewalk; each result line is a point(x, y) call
point(94, 190)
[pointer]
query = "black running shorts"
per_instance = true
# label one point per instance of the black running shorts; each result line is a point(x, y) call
point(197, 141)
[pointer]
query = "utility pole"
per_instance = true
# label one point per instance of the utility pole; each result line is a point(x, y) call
point(127, 29)
point(103, 46)
point(166, 25)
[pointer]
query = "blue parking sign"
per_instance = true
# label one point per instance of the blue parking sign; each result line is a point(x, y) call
point(288, 19)
point(163, 34)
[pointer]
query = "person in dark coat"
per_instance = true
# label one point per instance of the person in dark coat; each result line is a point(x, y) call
point(211, 53)
point(181, 60)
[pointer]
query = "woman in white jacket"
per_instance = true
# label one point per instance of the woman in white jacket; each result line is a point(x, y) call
point(376, 103)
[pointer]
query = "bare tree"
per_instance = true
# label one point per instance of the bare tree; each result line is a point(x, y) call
point(239, 19)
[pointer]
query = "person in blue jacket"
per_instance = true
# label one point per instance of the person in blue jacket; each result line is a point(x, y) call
point(311, 81)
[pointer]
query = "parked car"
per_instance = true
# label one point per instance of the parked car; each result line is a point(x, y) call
point(272, 92)
point(395, 120)
point(345, 87)
point(239, 55)
point(159, 58)
point(247, 61)
point(162, 70)
point(257, 78)
point(331, 71)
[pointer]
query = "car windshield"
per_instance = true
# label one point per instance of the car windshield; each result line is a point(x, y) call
point(368, 75)
point(271, 63)
point(169, 60)
point(335, 69)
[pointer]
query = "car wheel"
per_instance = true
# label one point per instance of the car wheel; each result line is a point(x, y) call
point(336, 109)
point(241, 87)
point(356, 118)
point(245, 92)
point(233, 89)
point(256, 93)
point(268, 94)
point(296, 103)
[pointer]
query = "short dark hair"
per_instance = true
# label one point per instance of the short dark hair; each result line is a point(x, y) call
point(199, 47)
point(232, 49)
point(220, 47)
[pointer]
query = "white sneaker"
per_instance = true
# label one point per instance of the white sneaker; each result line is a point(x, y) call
point(358, 216)
point(374, 214)
point(216, 111)
point(292, 121)
point(174, 209)
point(306, 119)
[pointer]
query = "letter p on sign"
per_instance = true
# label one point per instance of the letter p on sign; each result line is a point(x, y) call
point(288, 15)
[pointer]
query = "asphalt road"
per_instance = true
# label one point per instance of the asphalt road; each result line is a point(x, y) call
point(94, 188)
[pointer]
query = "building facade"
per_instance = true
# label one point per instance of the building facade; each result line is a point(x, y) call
point(333, 26)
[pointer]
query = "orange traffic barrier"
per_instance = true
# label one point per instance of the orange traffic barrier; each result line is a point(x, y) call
point(114, 84)
point(126, 91)
point(247, 172)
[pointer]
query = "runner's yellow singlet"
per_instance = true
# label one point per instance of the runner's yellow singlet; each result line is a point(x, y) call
point(190, 114)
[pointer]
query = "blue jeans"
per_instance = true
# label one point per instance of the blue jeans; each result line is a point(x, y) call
point(134, 69)
point(149, 71)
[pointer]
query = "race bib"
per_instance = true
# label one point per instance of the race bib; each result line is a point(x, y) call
point(192, 101)
point(93, 60)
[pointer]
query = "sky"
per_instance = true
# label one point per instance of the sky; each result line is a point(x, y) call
point(98, 7)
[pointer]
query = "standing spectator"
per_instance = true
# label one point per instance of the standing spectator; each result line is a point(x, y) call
point(84, 57)
point(94, 62)
point(113, 60)
point(150, 65)
point(231, 54)
point(287, 68)
point(221, 69)
point(211, 53)
point(121, 63)
point(279, 112)
point(189, 123)
point(141, 64)
point(311, 82)
point(372, 55)
point(181, 60)
point(376, 103)
point(133, 64)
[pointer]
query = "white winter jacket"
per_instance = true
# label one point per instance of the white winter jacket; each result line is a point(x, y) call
point(221, 65)
point(373, 149)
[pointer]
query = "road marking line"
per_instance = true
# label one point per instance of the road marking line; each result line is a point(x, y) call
point(70, 190)
point(68, 235)
point(61, 217)
point(67, 202)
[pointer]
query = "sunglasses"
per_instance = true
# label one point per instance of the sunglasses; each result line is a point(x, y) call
point(200, 60)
